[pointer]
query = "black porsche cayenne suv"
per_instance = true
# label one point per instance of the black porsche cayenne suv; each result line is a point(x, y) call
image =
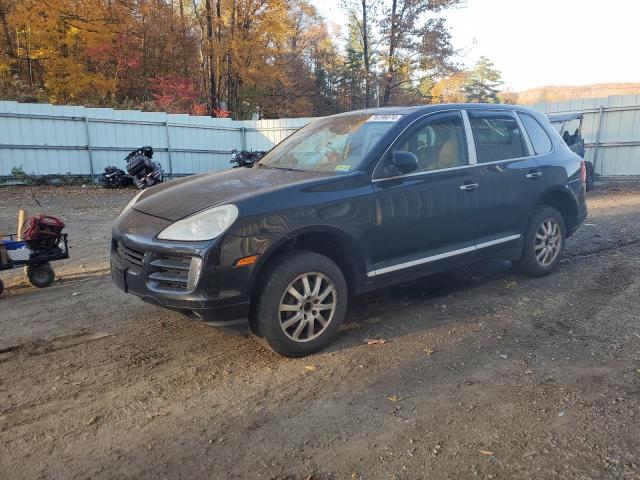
point(351, 203)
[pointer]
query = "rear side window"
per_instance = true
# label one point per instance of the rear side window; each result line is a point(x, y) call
point(497, 136)
point(538, 136)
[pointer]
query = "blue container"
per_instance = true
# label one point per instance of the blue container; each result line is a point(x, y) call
point(11, 245)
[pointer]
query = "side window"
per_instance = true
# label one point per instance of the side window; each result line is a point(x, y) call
point(497, 136)
point(438, 143)
point(538, 136)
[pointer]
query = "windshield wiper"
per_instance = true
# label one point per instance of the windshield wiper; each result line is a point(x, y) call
point(287, 168)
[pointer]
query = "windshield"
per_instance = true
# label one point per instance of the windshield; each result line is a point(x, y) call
point(333, 144)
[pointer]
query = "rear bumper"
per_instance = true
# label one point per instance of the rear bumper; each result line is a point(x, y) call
point(579, 192)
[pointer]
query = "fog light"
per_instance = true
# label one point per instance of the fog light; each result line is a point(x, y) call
point(194, 273)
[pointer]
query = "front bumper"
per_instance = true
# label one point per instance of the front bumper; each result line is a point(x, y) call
point(197, 279)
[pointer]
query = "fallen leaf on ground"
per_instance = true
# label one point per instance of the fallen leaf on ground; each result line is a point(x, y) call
point(93, 419)
point(394, 398)
point(487, 452)
point(374, 341)
point(310, 368)
point(429, 351)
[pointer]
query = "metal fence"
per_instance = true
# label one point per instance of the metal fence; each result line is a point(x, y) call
point(611, 129)
point(45, 139)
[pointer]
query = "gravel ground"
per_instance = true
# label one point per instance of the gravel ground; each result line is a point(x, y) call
point(485, 373)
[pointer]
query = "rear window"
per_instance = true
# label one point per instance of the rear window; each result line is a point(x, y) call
point(497, 136)
point(538, 136)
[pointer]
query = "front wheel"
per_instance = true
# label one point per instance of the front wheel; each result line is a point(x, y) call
point(543, 242)
point(302, 304)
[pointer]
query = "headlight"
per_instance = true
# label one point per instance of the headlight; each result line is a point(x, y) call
point(132, 202)
point(205, 225)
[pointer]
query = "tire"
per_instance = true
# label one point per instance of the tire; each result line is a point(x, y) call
point(1, 287)
point(41, 276)
point(590, 176)
point(291, 325)
point(541, 256)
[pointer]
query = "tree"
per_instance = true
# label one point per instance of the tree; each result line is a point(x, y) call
point(240, 58)
point(413, 44)
point(450, 89)
point(483, 82)
point(361, 39)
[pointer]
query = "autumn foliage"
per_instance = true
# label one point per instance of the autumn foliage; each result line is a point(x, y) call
point(240, 58)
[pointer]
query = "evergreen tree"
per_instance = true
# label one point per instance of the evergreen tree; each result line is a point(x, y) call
point(483, 82)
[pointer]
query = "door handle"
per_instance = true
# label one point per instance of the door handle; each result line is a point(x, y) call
point(467, 187)
point(533, 175)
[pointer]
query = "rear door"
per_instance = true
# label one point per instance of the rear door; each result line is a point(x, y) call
point(425, 213)
point(508, 175)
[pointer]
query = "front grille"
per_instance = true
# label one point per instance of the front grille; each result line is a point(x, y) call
point(169, 273)
point(130, 255)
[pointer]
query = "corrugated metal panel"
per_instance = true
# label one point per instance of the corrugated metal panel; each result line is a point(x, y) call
point(49, 139)
point(619, 149)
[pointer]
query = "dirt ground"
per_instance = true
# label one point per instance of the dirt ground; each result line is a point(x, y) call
point(485, 373)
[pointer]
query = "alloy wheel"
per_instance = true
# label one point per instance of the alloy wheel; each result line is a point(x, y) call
point(307, 306)
point(548, 242)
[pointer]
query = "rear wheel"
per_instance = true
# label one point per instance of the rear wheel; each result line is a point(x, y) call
point(41, 276)
point(302, 303)
point(590, 176)
point(543, 242)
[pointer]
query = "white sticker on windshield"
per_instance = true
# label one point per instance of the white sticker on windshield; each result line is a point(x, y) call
point(384, 118)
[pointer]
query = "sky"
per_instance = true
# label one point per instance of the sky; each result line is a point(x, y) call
point(543, 42)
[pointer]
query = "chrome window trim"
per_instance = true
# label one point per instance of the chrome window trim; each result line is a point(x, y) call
point(471, 142)
point(417, 174)
point(430, 172)
point(440, 256)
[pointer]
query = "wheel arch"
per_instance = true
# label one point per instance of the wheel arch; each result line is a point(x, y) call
point(327, 241)
point(564, 201)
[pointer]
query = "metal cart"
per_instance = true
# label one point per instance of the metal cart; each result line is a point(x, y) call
point(38, 264)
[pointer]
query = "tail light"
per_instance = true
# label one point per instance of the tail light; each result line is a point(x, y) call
point(583, 171)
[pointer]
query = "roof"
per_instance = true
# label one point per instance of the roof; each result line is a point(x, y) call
point(433, 107)
point(564, 117)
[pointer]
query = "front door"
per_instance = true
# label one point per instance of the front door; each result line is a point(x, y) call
point(425, 213)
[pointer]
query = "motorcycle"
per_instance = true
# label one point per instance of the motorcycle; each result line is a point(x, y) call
point(143, 169)
point(245, 158)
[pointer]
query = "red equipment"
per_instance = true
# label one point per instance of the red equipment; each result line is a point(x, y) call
point(42, 232)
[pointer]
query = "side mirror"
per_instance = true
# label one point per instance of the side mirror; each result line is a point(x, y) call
point(405, 162)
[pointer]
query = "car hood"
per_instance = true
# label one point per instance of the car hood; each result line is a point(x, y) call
point(179, 198)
